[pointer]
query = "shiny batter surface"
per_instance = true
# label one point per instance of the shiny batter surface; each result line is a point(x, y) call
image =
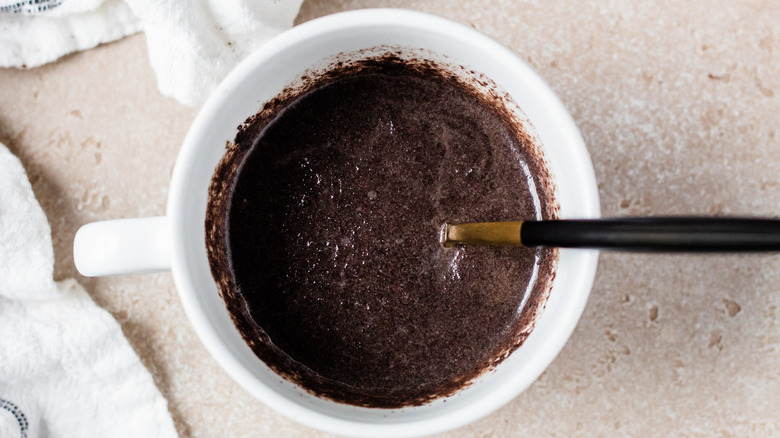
point(323, 235)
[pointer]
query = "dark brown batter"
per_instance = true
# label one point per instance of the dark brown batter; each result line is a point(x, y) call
point(323, 234)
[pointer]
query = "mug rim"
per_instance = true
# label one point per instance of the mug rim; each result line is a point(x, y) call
point(176, 209)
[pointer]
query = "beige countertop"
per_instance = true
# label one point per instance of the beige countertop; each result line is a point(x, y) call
point(679, 105)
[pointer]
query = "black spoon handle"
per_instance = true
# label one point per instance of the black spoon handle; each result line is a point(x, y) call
point(656, 234)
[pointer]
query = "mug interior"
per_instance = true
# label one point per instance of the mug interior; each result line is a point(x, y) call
point(280, 63)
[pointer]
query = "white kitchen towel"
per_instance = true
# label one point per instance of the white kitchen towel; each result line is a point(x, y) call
point(34, 32)
point(66, 369)
point(192, 44)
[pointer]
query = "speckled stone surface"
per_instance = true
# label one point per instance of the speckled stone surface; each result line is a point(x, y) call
point(679, 104)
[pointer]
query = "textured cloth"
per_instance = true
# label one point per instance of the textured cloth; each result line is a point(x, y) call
point(192, 44)
point(66, 369)
point(32, 34)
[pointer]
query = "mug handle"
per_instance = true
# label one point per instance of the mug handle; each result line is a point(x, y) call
point(123, 246)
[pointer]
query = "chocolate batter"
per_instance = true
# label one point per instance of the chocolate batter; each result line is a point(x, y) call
point(323, 233)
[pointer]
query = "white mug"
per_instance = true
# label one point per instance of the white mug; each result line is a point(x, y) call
point(177, 241)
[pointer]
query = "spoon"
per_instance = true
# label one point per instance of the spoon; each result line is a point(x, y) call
point(651, 234)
